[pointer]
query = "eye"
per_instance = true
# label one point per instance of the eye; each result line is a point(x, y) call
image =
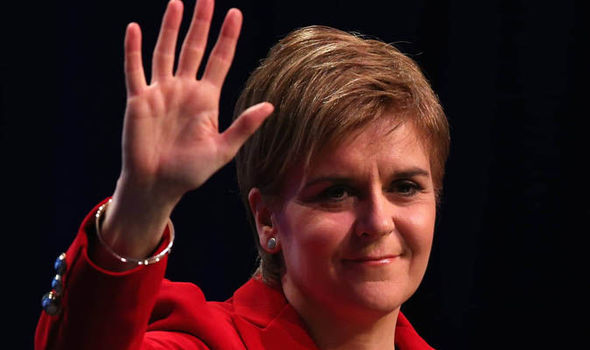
point(335, 193)
point(406, 188)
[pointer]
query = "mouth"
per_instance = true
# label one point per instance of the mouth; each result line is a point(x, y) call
point(372, 260)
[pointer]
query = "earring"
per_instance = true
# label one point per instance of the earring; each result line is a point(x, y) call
point(272, 243)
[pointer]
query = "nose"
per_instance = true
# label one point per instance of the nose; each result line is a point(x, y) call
point(375, 216)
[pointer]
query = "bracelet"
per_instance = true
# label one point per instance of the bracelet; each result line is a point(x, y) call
point(151, 260)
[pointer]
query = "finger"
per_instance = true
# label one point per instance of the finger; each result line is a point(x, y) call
point(195, 42)
point(244, 126)
point(224, 49)
point(163, 59)
point(134, 75)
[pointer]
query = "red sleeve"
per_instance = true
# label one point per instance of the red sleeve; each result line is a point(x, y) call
point(101, 309)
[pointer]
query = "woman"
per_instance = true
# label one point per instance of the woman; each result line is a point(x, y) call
point(341, 182)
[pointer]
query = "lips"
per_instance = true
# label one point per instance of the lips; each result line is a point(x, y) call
point(373, 260)
point(369, 258)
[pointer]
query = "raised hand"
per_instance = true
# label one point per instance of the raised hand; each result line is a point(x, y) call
point(171, 139)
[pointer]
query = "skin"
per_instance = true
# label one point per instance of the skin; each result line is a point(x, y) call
point(171, 139)
point(172, 145)
point(355, 231)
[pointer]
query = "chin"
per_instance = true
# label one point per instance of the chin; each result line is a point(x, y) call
point(382, 297)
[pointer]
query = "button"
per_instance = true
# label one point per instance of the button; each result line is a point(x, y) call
point(60, 264)
point(57, 284)
point(51, 303)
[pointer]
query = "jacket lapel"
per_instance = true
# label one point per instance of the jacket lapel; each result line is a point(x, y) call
point(265, 320)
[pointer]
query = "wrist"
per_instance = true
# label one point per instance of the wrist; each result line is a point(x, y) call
point(147, 192)
point(110, 259)
point(136, 219)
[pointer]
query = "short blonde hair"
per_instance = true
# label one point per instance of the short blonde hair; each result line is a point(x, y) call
point(326, 84)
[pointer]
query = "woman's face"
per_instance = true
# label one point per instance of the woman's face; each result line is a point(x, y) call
point(356, 228)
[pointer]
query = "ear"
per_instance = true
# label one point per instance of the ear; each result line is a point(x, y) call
point(262, 213)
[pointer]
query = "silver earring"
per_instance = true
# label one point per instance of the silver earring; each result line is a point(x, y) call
point(272, 243)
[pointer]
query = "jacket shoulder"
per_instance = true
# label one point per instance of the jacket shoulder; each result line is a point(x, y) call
point(181, 307)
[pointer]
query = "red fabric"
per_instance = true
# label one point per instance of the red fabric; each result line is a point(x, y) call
point(139, 309)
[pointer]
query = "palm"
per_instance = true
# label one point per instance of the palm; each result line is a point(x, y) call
point(171, 134)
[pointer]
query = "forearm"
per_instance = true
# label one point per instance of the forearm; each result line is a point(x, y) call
point(99, 308)
point(133, 224)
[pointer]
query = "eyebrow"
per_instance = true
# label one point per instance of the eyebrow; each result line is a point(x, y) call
point(412, 172)
point(404, 174)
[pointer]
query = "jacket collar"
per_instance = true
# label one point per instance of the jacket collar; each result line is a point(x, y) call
point(266, 320)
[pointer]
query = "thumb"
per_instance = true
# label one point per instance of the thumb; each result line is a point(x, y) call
point(245, 125)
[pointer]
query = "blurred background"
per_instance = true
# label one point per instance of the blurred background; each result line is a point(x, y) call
point(508, 260)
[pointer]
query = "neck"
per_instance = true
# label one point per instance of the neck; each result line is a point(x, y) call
point(340, 328)
point(330, 335)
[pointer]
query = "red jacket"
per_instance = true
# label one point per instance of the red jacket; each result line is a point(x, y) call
point(139, 309)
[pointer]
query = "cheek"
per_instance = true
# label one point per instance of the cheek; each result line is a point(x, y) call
point(312, 234)
point(417, 227)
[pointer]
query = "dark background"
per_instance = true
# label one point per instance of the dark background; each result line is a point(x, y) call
point(508, 257)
